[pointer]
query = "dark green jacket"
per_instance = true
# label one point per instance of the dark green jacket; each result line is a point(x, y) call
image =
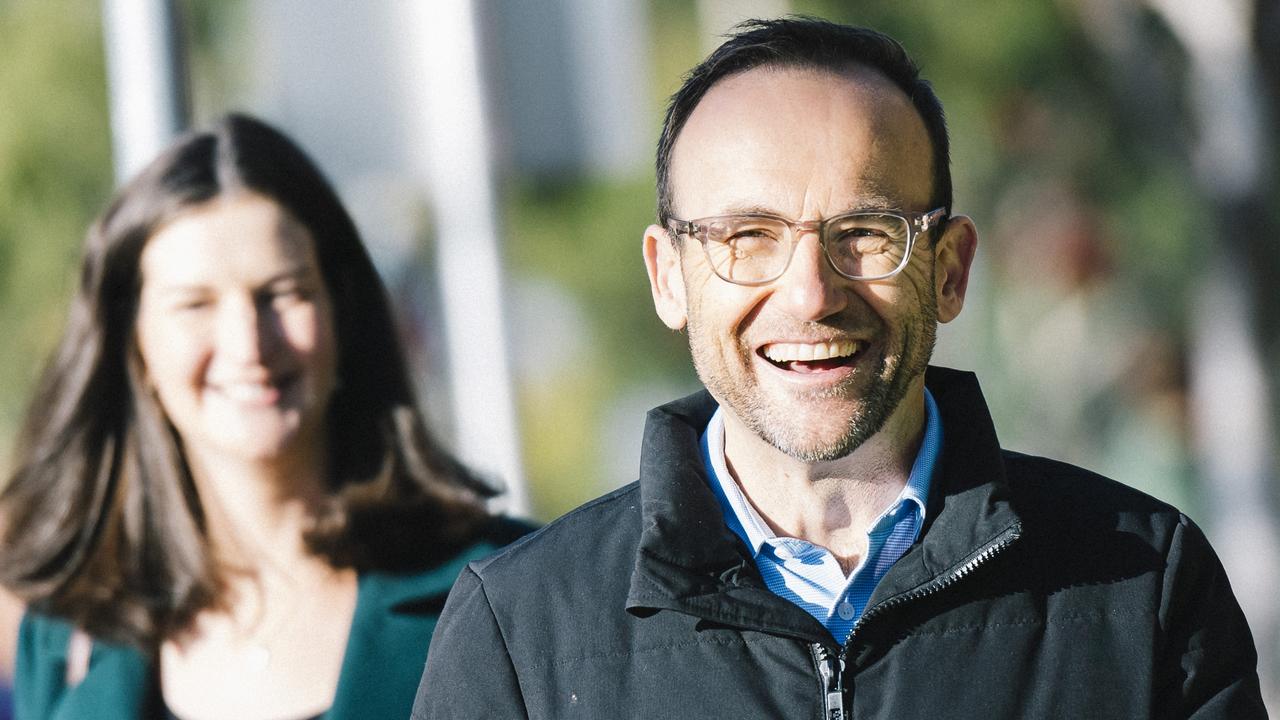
point(386, 651)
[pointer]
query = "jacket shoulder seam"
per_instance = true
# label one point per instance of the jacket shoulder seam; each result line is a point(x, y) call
point(479, 567)
point(506, 644)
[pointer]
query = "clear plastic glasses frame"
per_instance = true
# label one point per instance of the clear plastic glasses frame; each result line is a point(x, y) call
point(896, 229)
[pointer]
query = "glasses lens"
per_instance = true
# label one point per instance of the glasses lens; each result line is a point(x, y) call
point(868, 244)
point(746, 249)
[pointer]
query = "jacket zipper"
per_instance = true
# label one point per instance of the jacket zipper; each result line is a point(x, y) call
point(831, 670)
point(831, 664)
point(995, 547)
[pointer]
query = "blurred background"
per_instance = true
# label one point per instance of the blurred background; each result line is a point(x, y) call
point(1118, 156)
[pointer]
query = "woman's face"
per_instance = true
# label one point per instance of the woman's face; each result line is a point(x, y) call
point(236, 331)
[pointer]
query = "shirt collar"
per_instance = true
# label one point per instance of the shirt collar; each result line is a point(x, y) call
point(742, 518)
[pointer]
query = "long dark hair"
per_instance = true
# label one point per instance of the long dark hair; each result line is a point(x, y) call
point(102, 523)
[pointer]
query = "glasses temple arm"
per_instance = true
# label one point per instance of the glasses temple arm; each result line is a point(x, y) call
point(681, 227)
point(931, 219)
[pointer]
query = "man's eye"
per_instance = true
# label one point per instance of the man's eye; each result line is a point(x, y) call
point(867, 241)
point(751, 234)
point(752, 240)
point(752, 231)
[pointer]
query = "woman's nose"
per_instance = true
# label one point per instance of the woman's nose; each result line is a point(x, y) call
point(243, 334)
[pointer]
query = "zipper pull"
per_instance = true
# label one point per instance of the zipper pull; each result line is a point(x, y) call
point(831, 667)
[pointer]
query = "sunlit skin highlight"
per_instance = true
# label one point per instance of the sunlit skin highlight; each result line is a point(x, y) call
point(821, 378)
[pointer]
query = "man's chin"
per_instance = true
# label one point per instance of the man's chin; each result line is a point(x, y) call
point(825, 426)
point(814, 436)
point(803, 446)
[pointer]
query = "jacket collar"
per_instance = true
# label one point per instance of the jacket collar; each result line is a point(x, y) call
point(969, 504)
point(689, 561)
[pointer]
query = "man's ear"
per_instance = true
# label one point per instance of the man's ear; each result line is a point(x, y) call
point(952, 260)
point(666, 281)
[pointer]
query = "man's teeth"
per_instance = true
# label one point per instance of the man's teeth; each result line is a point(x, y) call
point(804, 352)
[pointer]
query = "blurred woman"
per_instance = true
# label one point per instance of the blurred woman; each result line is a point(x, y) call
point(226, 502)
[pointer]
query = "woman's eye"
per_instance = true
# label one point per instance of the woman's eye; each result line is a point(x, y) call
point(289, 294)
point(192, 304)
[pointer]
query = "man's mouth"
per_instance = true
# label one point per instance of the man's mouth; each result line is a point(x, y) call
point(811, 357)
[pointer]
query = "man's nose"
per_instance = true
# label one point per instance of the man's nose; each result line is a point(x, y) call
point(810, 289)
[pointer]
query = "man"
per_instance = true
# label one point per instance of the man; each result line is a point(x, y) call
point(832, 530)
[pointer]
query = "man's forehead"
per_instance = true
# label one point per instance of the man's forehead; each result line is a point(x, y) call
point(859, 83)
point(869, 197)
point(861, 77)
point(786, 126)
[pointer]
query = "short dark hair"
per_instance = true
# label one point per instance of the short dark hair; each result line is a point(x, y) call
point(806, 42)
point(102, 523)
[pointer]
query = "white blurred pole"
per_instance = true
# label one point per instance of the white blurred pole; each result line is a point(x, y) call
point(145, 80)
point(448, 114)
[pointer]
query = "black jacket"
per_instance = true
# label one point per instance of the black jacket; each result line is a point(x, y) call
point(1037, 590)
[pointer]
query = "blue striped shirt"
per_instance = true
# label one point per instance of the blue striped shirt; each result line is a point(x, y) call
point(807, 574)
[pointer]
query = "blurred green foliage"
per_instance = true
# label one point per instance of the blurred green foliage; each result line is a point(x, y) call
point(585, 237)
point(55, 171)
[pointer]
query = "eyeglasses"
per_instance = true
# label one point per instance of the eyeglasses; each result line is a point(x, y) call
point(755, 249)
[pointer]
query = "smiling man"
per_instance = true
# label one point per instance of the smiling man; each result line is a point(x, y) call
point(831, 530)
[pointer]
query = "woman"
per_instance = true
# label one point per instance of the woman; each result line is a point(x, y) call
point(226, 502)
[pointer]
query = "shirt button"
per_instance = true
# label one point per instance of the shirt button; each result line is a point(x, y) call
point(845, 610)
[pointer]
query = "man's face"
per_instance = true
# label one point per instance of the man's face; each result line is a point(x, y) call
point(812, 362)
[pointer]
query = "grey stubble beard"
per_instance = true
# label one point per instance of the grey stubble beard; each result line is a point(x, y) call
point(891, 379)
